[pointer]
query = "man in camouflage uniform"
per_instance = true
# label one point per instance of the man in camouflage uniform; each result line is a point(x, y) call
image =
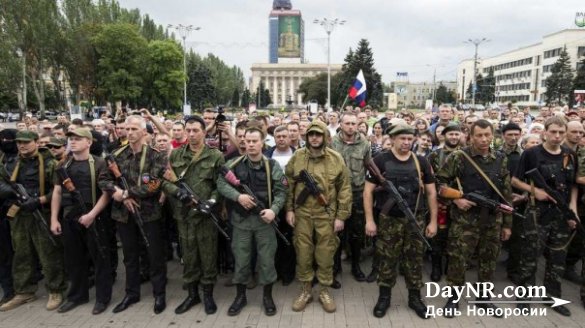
point(452, 134)
point(472, 225)
point(198, 166)
point(356, 151)
point(252, 228)
point(413, 176)
point(551, 227)
point(143, 168)
point(34, 170)
point(316, 225)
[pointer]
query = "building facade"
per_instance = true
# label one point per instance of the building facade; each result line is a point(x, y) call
point(520, 74)
point(283, 80)
point(415, 94)
point(286, 34)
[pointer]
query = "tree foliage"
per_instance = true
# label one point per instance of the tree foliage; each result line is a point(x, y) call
point(559, 85)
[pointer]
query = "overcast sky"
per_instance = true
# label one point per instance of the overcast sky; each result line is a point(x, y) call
point(414, 36)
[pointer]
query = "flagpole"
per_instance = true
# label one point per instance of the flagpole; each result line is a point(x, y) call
point(341, 109)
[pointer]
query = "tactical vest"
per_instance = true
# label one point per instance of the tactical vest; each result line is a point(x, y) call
point(472, 181)
point(29, 175)
point(257, 180)
point(559, 176)
point(405, 178)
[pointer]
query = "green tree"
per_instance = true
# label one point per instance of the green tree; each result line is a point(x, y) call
point(163, 74)
point(362, 58)
point(235, 98)
point(121, 61)
point(315, 88)
point(264, 96)
point(560, 83)
point(200, 91)
point(246, 97)
point(488, 88)
point(443, 95)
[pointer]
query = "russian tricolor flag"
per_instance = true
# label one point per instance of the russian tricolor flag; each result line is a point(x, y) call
point(357, 92)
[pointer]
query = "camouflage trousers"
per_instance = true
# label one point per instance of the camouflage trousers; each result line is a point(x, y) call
point(29, 241)
point(397, 240)
point(465, 235)
point(551, 233)
point(198, 239)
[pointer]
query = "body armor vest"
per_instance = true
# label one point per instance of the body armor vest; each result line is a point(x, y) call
point(257, 180)
point(472, 181)
point(405, 179)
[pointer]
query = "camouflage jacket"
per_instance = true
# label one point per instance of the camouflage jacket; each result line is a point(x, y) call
point(332, 176)
point(454, 167)
point(144, 182)
point(438, 157)
point(199, 174)
point(355, 155)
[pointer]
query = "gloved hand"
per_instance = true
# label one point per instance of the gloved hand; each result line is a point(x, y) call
point(183, 196)
point(31, 204)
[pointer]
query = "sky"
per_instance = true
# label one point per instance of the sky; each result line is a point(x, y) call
point(414, 36)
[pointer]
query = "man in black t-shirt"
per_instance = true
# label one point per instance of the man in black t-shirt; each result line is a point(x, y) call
point(413, 176)
point(558, 166)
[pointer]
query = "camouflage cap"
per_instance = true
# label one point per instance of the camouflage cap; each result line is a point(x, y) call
point(401, 129)
point(26, 136)
point(81, 132)
point(54, 141)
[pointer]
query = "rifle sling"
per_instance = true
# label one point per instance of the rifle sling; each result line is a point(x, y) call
point(41, 173)
point(484, 176)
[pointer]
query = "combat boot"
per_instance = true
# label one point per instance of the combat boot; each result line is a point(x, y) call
point(239, 302)
point(487, 305)
point(304, 298)
point(326, 300)
point(208, 301)
point(437, 270)
point(191, 300)
point(450, 307)
point(571, 275)
point(383, 302)
point(55, 299)
point(17, 300)
point(416, 303)
point(356, 271)
point(268, 302)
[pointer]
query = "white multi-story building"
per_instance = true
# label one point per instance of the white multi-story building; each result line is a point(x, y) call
point(415, 94)
point(521, 73)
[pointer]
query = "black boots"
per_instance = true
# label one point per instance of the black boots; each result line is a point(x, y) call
point(239, 302)
point(269, 307)
point(450, 307)
point(191, 300)
point(437, 267)
point(356, 271)
point(416, 303)
point(208, 301)
point(383, 302)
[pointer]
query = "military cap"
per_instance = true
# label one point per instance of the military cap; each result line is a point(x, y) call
point(54, 141)
point(26, 136)
point(452, 126)
point(81, 132)
point(400, 129)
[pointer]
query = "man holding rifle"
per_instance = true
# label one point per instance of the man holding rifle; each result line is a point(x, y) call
point(482, 170)
point(400, 223)
point(556, 168)
point(252, 215)
point(77, 194)
point(31, 238)
point(197, 165)
point(138, 212)
point(319, 203)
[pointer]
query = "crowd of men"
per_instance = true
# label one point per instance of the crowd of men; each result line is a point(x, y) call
point(285, 196)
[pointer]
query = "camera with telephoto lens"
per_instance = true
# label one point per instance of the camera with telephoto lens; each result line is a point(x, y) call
point(220, 118)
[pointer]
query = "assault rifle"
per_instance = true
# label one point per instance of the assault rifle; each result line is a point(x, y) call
point(562, 204)
point(311, 188)
point(113, 167)
point(22, 196)
point(231, 178)
point(78, 199)
point(203, 206)
point(397, 199)
point(480, 200)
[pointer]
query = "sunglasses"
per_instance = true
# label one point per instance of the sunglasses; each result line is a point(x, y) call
point(53, 146)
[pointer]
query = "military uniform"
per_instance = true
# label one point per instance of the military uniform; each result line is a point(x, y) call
point(550, 229)
point(197, 233)
point(355, 155)
point(143, 172)
point(79, 242)
point(269, 185)
point(29, 239)
point(8, 157)
point(314, 236)
point(478, 227)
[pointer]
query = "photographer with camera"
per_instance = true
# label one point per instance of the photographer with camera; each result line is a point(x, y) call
point(216, 124)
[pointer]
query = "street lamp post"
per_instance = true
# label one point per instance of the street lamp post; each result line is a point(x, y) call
point(21, 54)
point(329, 26)
point(476, 43)
point(184, 31)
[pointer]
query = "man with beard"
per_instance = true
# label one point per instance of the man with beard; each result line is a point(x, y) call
point(57, 147)
point(8, 156)
point(452, 134)
point(319, 218)
point(356, 151)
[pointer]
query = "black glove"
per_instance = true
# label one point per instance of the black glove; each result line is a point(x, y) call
point(183, 196)
point(31, 204)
